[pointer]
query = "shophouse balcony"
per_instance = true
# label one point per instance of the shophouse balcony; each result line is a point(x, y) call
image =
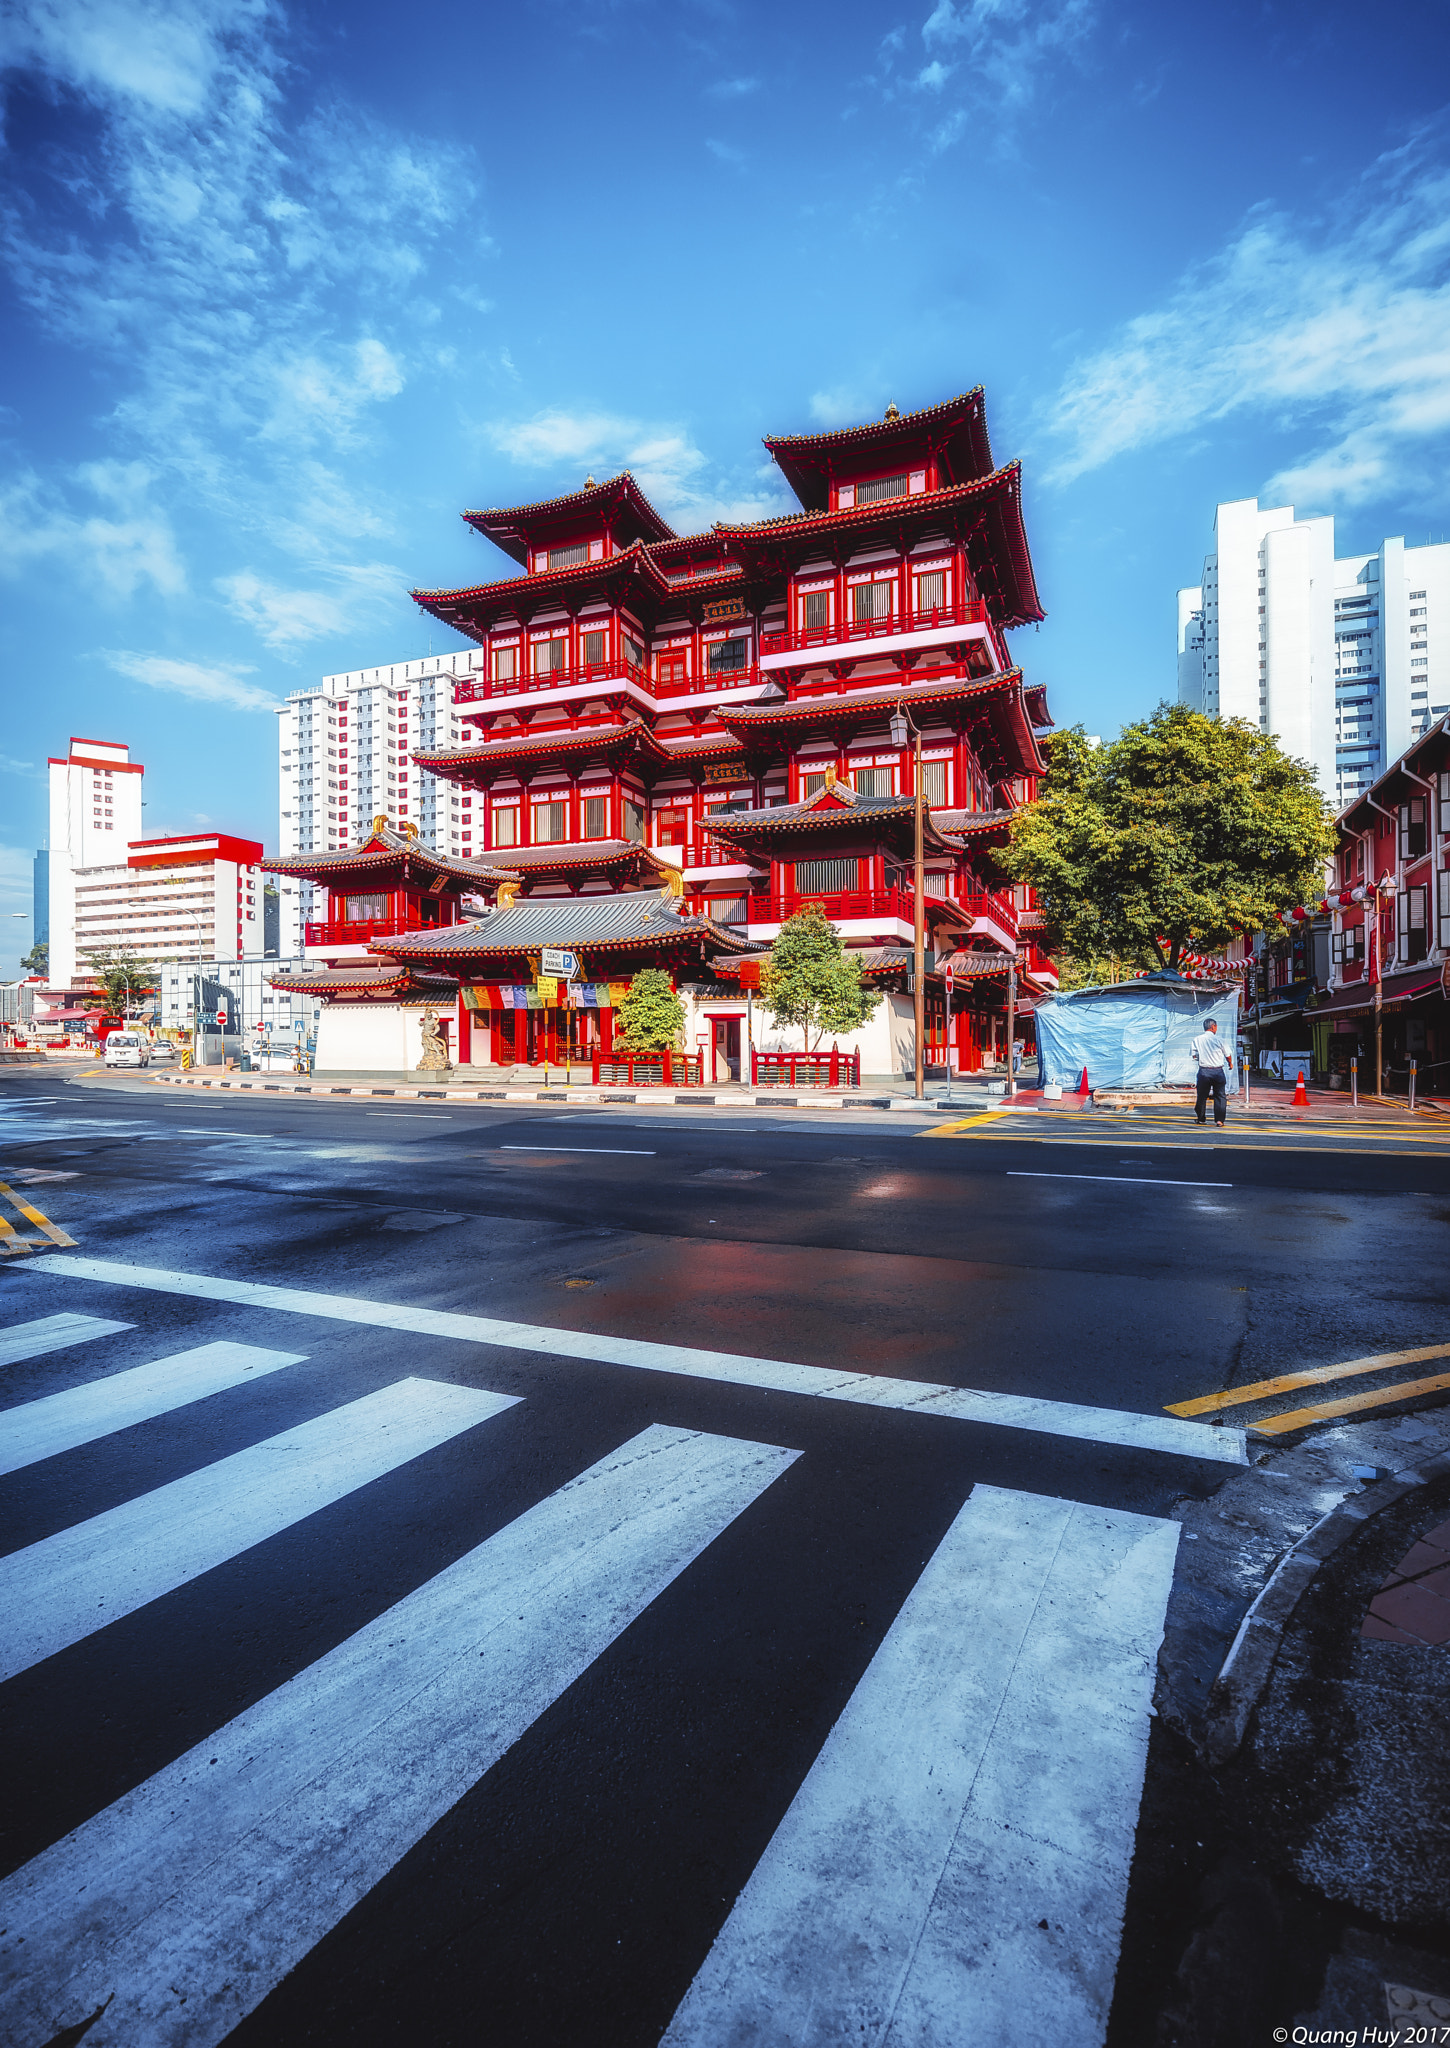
point(964, 620)
point(357, 931)
point(994, 915)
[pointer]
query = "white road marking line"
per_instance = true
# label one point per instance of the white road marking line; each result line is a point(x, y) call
point(1145, 1180)
point(412, 1116)
point(582, 1151)
point(213, 1879)
point(52, 1333)
point(62, 1422)
point(61, 1590)
point(918, 1397)
point(955, 1866)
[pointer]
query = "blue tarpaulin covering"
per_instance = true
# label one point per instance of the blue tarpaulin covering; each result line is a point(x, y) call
point(1135, 1035)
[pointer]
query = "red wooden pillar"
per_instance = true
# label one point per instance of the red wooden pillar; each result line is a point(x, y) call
point(465, 1032)
point(495, 1038)
point(606, 1033)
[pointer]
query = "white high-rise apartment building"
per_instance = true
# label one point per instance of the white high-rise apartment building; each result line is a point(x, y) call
point(344, 758)
point(1333, 655)
point(95, 811)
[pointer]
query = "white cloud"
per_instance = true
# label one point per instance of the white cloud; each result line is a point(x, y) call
point(164, 56)
point(217, 683)
point(117, 550)
point(733, 88)
point(289, 618)
point(725, 152)
point(993, 55)
point(665, 462)
point(845, 406)
point(9, 767)
point(1340, 333)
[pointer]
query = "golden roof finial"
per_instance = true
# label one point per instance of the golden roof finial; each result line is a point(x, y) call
point(830, 777)
point(589, 483)
point(506, 894)
point(892, 413)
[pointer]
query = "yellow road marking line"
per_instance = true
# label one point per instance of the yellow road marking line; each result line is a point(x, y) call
point(52, 1231)
point(1300, 1418)
point(1312, 1376)
point(968, 1123)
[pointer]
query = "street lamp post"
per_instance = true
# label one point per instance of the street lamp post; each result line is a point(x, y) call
point(901, 725)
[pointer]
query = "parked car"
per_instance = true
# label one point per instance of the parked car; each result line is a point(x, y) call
point(127, 1049)
point(162, 1049)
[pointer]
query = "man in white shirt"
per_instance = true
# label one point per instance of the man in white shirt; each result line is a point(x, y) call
point(1214, 1060)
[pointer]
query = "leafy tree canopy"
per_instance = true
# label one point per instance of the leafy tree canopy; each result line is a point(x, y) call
point(1179, 834)
point(651, 1016)
point(123, 979)
point(811, 980)
point(37, 960)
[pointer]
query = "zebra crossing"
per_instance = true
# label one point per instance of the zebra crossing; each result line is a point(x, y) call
point(962, 1840)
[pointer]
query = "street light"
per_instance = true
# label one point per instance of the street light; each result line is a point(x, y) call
point(901, 725)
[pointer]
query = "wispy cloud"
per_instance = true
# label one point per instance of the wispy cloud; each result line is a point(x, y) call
point(725, 152)
point(733, 88)
point(255, 277)
point(9, 767)
point(981, 55)
point(286, 618)
point(670, 469)
point(98, 521)
point(217, 683)
point(1339, 331)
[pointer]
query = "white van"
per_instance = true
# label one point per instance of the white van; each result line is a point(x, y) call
point(127, 1049)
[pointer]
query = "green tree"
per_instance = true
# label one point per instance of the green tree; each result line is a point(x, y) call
point(37, 960)
point(1179, 834)
point(811, 980)
point(122, 979)
point(651, 1017)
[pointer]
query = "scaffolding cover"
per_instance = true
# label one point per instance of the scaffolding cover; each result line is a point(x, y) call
point(1135, 1035)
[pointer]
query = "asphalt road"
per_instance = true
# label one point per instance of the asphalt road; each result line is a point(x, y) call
point(559, 1575)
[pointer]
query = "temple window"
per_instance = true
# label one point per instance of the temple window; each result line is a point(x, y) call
point(811, 783)
point(505, 664)
point(634, 821)
point(565, 558)
point(816, 611)
point(931, 591)
point(593, 650)
point(934, 781)
point(727, 655)
point(825, 877)
point(359, 907)
point(633, 652)
point(596, 816)
point(506, 825)
point(872, 600)
point(549, 656)
point(672, 828)
point(882, 487)
point(549, 822)
point(873, 782)
point(671, 670)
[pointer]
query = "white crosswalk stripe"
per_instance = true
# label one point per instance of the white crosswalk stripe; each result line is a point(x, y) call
point(61, 1590)
point(213, 1879)
point(52, 1333)
point(955, 1866)
point(80, 1415)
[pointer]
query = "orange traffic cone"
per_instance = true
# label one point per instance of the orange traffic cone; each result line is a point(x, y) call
point(1301, 1093)
point(1082, 1086)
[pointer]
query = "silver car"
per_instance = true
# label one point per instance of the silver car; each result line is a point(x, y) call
point(127, 1049)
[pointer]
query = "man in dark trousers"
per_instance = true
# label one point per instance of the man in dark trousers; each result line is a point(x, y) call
point(1214, 1060)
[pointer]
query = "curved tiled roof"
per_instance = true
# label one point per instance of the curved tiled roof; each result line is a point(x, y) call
point(588, 853)
point(507, 525)
point(366, 980)
point(582, 739)
point(590, 923)
point(802, 710)
point(819, 813)
point(805, 458)
point(383, 848)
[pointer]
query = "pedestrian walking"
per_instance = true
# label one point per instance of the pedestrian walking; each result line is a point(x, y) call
point(1214, 1060)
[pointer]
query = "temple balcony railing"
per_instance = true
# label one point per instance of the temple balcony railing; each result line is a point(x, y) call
point(357, 931)
point(994, 914)
point(593, 676)
point(902, 628)
point(705, 853)
point(839, 905)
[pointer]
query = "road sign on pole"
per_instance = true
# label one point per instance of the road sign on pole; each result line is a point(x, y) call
point(560, 963)
point(951, 981)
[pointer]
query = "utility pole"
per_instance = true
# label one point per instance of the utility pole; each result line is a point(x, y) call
point(901, 725)
point(1011, 1023)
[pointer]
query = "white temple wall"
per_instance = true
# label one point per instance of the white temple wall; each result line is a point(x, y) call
point(368, 1038)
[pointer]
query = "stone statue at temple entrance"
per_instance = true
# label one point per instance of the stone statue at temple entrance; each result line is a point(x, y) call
point(435, 1052)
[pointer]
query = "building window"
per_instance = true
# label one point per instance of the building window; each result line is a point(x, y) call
point(873, 782)
point(934, 782)
point(1442, 893)
point(871, 601)
point(1413, 912)
point(358, 907)
point(505, 664)
point(672, 828)
point(633, 652)
point(634, 821)
point(726, 656)
point(506, 825)
point(882, 487)
point(549, 822)
point(931, 591)
point(816, 611)
point(728, 909)
point(593, 650)
point(1412, 828)
point(811, 783)
point(671, 671)
point(825, 877)
point(596, 817)
point(549, 656)
point(565, 558)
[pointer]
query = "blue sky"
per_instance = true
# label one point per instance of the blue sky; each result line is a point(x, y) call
point(285, 288)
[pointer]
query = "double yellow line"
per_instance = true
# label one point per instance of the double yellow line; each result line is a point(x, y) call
point(11, 1243)
point(1318, 1376)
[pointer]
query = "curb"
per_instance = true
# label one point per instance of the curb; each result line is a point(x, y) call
point(646, 1097)
point(1239, 1685)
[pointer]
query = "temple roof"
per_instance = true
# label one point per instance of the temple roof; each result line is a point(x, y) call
point(509, 593)
point(618, 506)
point(589, 853)
point(956, 429)
point(383, 848)
point(974, 824)
point(832, 808)
point(589, 923)
point(582, 740)
point(369, 980)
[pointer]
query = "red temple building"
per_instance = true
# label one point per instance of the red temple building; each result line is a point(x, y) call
point(713, 712)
